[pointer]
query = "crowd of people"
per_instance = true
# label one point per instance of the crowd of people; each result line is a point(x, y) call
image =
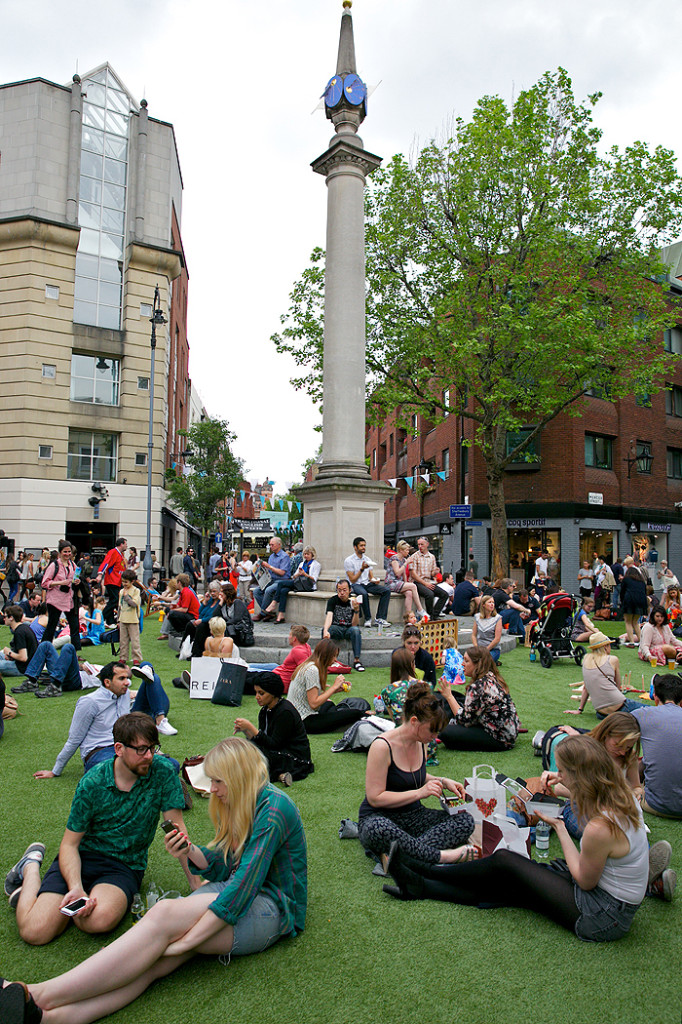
point(248, 888)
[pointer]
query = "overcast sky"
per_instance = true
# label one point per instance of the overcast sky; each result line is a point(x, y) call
point(239, 79)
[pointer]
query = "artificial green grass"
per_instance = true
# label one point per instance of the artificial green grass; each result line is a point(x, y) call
point(363, 956)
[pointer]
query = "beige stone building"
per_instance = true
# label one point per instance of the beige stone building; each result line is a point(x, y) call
point(89, 188)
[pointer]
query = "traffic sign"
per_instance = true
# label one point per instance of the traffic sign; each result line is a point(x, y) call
point(218, 538)
point(460, 511)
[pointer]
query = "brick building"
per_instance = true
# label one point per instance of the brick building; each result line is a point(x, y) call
point(584, 493)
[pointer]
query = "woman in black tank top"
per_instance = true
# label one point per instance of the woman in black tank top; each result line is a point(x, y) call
point(396, 783)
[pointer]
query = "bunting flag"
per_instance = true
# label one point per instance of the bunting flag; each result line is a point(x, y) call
point(441, 476)
point(243, 495)
point(409, 480)
point(426, 477)
point(393, 481)
point(298, 506)
point(290, 506)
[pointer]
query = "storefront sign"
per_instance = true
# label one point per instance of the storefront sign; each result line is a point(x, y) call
point(445, 529)
point(595, 498)
point(658, 527)
point(525, 524)
point(632, 526)
point(252, 525)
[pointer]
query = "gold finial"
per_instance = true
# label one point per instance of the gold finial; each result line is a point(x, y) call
point(347, 4)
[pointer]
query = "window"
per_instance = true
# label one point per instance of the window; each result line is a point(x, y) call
point(44, 451)
point(143, 383)
point(672, 340)
point(390, 445)
point(51, 291)
point(415, 425)
point(374, 458)
point(382, 454)
point(643, 448)
point(598, 451)
point(49, 371)
point(94, 380)
point(531, 453)
point(446, 401)
point(673, 400)
point(140, 458)
point(102, 202)
point(91, 456)
point(603, 391)
point(674, 456)
point(445, 462)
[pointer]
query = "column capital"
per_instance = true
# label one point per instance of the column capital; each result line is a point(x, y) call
point(346, 154)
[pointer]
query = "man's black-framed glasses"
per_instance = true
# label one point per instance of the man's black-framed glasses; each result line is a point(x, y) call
point(141, 751)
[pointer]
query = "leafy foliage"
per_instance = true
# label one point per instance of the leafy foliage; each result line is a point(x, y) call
point(514, 266)
point(214, 474)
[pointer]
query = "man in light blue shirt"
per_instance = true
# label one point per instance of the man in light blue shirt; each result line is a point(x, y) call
point(92, 725)
point(279, 567)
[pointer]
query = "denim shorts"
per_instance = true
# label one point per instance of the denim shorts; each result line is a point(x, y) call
point(256, 930)
point(603, 918)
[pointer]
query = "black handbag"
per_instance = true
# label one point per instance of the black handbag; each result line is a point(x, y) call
point(229, 688)
point(354, 704)
point(304, 585)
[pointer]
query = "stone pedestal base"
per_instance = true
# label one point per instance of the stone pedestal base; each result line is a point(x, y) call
point(310, 609)
point(335, 510)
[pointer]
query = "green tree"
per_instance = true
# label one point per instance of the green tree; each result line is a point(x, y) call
point(516, 266)
point(214, 473)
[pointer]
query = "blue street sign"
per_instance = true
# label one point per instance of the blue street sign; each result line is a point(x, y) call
point(218, 538)
point(460, 511)
point(475, 522)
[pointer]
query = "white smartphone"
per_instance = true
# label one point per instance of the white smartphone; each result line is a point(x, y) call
point(71, 909)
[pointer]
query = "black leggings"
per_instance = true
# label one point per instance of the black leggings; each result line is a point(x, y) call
point(53, 616)
point(469, 737)
point(506, 879)
point(329, 718)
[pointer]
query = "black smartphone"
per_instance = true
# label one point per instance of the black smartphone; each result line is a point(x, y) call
point(170, 826)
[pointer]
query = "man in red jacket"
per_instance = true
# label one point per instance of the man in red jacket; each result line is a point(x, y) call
point(110, 572)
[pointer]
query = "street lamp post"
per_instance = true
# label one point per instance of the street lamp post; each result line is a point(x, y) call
point(157, 319)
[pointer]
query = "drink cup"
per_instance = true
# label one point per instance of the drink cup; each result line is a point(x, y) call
point(653, 661)
point(672, 664)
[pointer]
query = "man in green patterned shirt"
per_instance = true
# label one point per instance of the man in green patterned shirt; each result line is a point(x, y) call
point(103, 855)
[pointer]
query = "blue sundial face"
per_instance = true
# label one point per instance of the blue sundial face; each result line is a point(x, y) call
point(334, 91)
point(355, 89)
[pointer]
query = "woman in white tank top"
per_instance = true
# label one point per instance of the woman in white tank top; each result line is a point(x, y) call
point(594, 892)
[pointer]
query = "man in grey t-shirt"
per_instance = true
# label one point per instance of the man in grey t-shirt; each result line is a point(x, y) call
point(661, 752)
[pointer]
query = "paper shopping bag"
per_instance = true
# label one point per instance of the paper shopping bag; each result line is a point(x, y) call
point(500, 833)
point(485, 795)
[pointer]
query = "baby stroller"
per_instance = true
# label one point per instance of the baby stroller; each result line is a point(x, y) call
point(551, 634)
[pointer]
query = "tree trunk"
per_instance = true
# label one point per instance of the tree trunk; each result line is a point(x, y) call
point(498, 516)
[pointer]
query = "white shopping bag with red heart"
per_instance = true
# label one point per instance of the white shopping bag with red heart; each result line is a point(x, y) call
point(485, 795)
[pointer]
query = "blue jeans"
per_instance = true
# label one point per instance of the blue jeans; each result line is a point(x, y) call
point(615, 598)
point(629, 705)
point(62, 665)
point(495, 654)
point(383, 593)
point(284, 587)
point(513, 617)
point(265, 597)
point(352, 632)
point(151, 698)
point(8, 667)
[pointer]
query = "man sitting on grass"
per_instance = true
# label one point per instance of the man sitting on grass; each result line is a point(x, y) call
point(661, 728)
point(103, 854)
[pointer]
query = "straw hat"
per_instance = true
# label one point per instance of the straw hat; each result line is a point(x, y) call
point(598, 640)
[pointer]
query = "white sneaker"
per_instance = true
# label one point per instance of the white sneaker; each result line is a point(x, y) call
point(368, 623)
point(165, 728)
point(381, 622)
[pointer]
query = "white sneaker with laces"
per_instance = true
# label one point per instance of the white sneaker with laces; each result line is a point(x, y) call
point(368, 623)
point(165, 728)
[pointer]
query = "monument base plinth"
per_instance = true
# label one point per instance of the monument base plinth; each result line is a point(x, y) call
point(335, 510)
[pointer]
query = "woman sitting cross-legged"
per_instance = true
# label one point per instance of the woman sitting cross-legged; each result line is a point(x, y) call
point(657, 640)
point(256, 894)
point(281, 735)
point(582, 627)
point(487, 720)
point(594, 893)
point(601, 681)
point(309, 693)
point(397, 781)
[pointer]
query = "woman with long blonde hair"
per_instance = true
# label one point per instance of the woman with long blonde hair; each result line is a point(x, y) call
point(256, 895)
point(594, 892)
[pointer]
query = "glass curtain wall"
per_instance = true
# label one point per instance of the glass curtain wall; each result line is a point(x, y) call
point(102, 203)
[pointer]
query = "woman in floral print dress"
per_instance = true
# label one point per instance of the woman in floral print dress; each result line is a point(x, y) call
point(487, 720)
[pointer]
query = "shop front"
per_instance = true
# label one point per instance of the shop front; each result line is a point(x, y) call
point(526, 539)
point(600, 542)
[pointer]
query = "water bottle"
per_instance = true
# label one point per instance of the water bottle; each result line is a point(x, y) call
point(137, 908)
point(152, 895)
point(380, 629)
point(379, 706)
point(542, 831)
point(533, 655)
